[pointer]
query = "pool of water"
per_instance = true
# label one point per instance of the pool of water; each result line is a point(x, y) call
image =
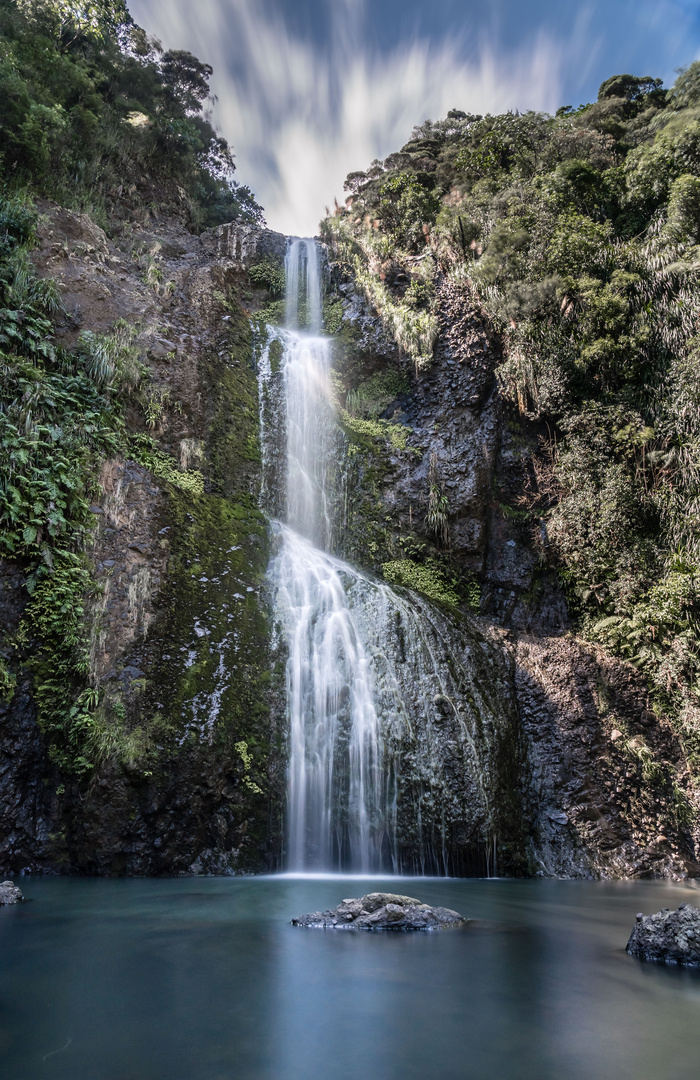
point(205, 979)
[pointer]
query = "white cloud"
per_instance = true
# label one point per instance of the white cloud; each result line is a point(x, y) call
point(300, 119)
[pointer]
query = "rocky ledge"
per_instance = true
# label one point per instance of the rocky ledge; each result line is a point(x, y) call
point(669, 937)
point(9, 893)
point(382, 911)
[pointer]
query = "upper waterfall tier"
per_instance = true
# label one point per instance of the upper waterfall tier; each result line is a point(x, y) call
point(302, 267)
point(297, 432)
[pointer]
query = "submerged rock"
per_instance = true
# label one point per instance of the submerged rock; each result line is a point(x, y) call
point(9, 893)
point(669, 937)
point(382, 911)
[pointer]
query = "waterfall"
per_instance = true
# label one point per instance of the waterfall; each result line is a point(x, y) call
point(379, 744)
point(335, 797)
point(303, 275)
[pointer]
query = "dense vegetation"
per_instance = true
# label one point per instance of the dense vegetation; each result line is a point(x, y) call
point(98, 116)
point(579, 236)
point(57, 418)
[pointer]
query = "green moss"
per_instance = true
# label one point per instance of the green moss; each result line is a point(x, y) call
point(8, 682)
point(165, 467)
point(208, 673)
point(369, 433)
point(276, 352)
point(272, 313)
point(424, 578)
point(210, 641)
point(332, 316)
point(373, 395)
point(269, 273)
point(230, 385)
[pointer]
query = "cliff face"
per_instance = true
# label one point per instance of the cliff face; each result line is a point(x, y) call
point(604, 784)
point(179, 624)
point(178, 632)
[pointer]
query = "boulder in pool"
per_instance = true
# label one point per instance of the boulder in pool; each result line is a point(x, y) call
point(382, 911)
point(9, 893)
point(668, 937)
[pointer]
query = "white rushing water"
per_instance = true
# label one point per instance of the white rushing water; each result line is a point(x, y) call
point(365, 665)
point(335, 801)
point(303, 275)
point(335, 789)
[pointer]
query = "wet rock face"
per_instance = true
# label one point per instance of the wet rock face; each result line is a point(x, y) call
point(27, 803)
point(382, 911)
point(593, 813)
point(668, 937)
point(9, 893)
point(178, 640)
point(464, 438)
point(588, 805)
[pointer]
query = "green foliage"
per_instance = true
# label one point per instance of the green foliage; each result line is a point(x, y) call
point(59, 415)
point(54, 622)
point(407, 209)
point(414, 331)
point(246, 757)
point(510, 143)
point(426, 578)
point(438, 506)
point(368, 432)
point(165, 467)
point(94, 110)
point(579, 235)
point(651, 168)
point(686, 89)
point(661, 635)
point(269, 273)
point(375, 394)
point(106, 736)
point(112, 359)
point(56, 413)
point(8, 681)
point(332, 316)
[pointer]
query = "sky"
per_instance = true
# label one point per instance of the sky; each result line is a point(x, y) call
point(310, 90)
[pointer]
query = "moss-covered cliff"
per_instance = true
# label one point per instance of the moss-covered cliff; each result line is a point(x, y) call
point(141, 651)
point(533, 279)
point(514, 310)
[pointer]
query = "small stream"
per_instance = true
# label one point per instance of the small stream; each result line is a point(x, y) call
point(205, 979)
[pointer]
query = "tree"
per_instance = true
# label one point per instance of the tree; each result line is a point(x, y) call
point(186, 79)
point(83, 16)
point(631, 87)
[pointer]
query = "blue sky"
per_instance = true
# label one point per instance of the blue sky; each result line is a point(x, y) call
point(311, 89)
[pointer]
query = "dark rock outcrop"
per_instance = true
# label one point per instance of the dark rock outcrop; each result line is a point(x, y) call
point(9, 893)
point(382, 911)
point(668, 937)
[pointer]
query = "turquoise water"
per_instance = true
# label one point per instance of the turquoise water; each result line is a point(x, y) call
point(204, 979)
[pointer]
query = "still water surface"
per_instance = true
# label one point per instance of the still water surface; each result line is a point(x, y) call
point(204, 979)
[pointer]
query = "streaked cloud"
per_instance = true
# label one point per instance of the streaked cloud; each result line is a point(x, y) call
point(303, 111)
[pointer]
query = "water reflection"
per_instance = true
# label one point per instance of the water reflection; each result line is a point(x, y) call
point(147, 980)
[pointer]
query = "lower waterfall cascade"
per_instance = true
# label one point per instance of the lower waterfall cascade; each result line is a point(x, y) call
point(397, 714)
